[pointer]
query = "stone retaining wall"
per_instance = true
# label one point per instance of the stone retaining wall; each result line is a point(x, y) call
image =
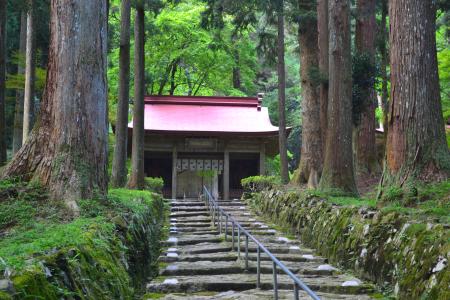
point(408, 257)
point(111, 264)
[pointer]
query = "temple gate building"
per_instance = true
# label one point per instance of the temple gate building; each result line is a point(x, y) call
point(212, 141)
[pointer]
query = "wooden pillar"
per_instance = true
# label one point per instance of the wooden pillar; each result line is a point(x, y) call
point(262, 159)
point(226, 175)
point(174, 172)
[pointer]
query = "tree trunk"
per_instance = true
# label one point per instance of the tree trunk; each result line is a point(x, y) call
point(338, 164)
point(364, 145)
point(28, 106)
point(18, 111)
point(67, 149)
point(384, 64)
point(2, 81)
point(416, 144)
point(311, 157)
point(119, 168)
point(236, 67)
point(322, 26)
point(137, 153)
point(284, 172)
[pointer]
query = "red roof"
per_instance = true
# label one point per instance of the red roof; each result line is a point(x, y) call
point(207, 115)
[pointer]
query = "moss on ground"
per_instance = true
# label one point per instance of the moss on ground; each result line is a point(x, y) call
point(106, 253)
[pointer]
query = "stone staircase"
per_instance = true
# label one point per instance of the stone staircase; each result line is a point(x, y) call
point(198, 263)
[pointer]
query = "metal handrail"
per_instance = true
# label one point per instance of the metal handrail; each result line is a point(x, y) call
point(218, 213)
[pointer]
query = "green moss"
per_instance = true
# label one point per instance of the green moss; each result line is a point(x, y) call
point(401, 245)
point(107, 253)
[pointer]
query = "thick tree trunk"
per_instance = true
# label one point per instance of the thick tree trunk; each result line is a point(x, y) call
point(311, 152)
point(338, 170)
point(28, 106)
point(137, 153)
point(18, 113)
point(67, 149)
point(119, 169)
point(2, 81)
point(322, 26)
point(284, 172)
point(416, 145)
point(364, 145)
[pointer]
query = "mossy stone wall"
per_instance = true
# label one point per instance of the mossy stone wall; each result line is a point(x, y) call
point(111, 263)
point(408, 257)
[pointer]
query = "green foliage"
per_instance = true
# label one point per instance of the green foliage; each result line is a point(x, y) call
point(273, 165)
point(443, 55)
point(17, 81)
point(154, 184)
point(259, 183)
point(392, 194)
point(183, 58)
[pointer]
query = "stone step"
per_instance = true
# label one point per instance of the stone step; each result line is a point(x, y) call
point(200, 203)
point(233, 256)
point(340, 284)
point(256, 294)
point(193, 240)
point(206, 267)
point(188, 214)
point(281, 251)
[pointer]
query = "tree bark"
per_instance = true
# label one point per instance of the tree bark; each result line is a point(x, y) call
point(119, 169)
point(364, 131)
point(338, 170)
point(2, 81)
point(416, 144)
point(28, 106)
point(384, 64)
point(236, 67)
point(18, 111)
point(137, 153)
point(284, 172)
point(67, 149)
point(311, 157)
point(322, 26)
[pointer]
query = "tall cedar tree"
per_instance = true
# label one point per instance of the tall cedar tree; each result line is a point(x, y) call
point(67, 149)
point(364, 146)
point(284, 171)
point(311, 152)
point(137, 153)
point(2, 81)
point(416, 144)
point(28, 107)
point(383, 48)
point(322, 27)
point(338, 170)
point(119, 170)
point(18, 111)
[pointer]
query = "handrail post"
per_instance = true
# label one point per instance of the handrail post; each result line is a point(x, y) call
point(220, 221)
point(226, 228)
point(239, 242)
point(258, 268)
point(275, 282)
point(246, 252)
point(295, 291)
point(232, 235)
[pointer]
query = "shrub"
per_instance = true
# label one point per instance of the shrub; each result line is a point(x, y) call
point(255, 184)
point(154, 184)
